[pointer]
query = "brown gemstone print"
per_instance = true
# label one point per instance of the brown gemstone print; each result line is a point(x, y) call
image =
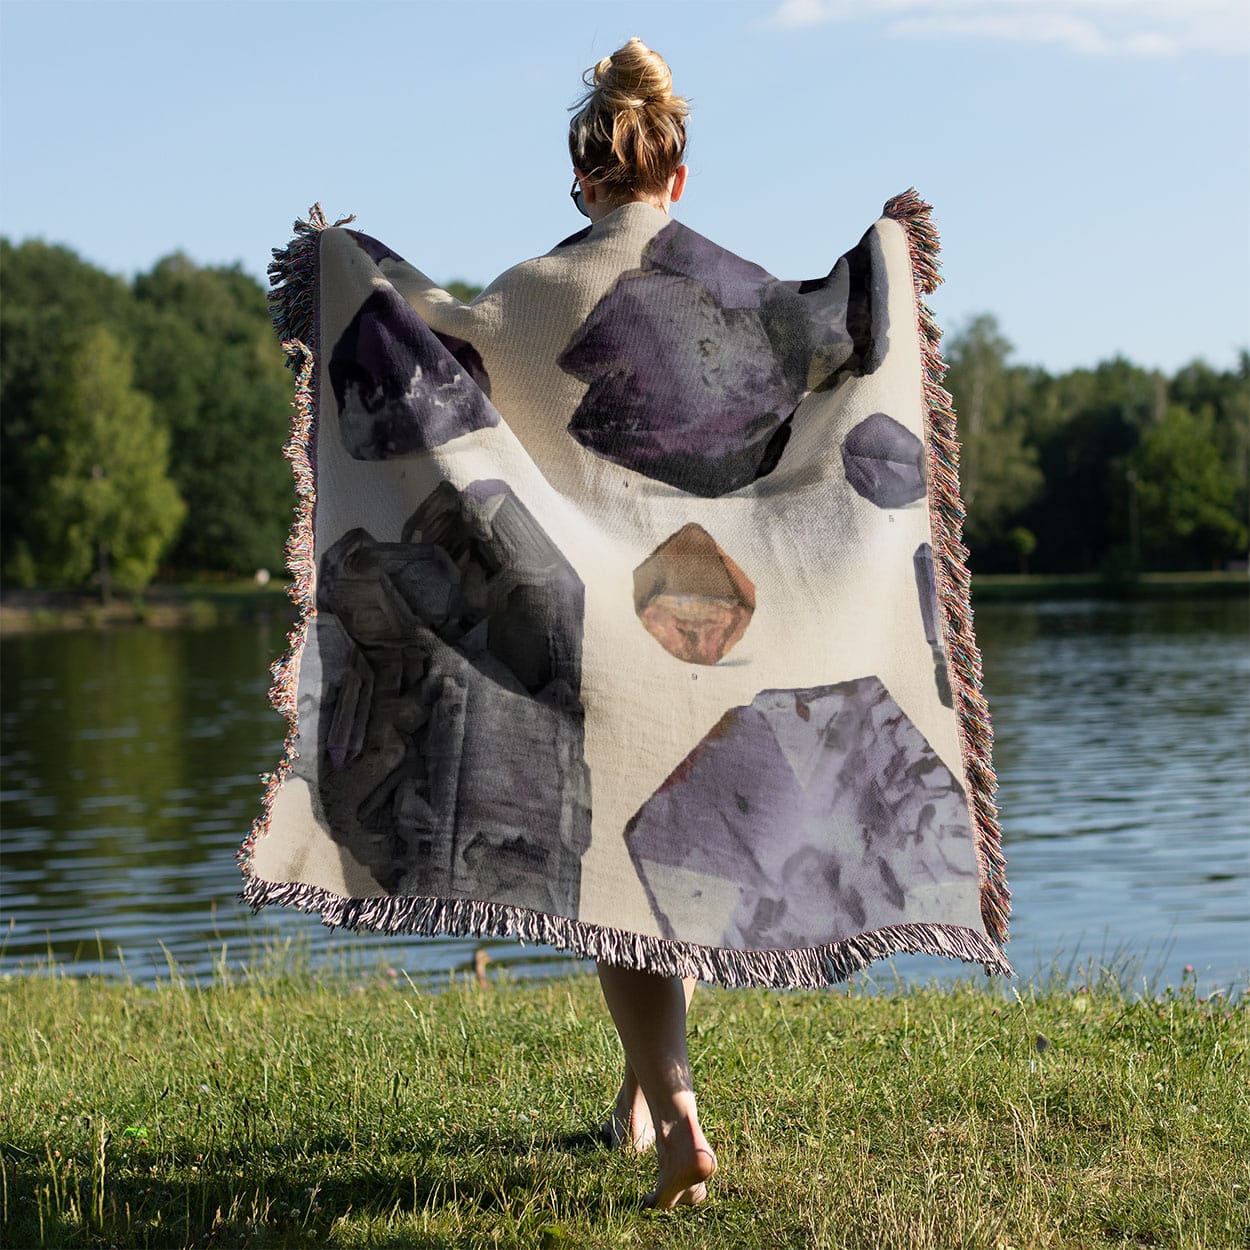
point(693, 599)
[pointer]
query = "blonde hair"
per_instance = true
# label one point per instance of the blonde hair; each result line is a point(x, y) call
point(629, 133)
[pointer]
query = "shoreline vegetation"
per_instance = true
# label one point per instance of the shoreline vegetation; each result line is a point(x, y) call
point(143, 420)
point(208, 603)
point(278, 1106)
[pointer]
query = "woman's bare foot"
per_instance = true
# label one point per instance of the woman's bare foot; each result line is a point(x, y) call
point(686, 1165)
point(649, 1012)
point(628, 1126)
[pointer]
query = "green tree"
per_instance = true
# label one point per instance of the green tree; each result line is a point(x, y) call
point(1086, 423)
point(464, 291)
point(1222, 398)
point(51, 299)
point(1023, 542)
point(105, 504)
point(1186, 495)
point(997, 467)
point(208, 357)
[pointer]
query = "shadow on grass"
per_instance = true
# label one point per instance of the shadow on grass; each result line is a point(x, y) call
point(253, 1198)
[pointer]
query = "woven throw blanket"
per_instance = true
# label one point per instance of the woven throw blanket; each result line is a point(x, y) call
point(634, 614)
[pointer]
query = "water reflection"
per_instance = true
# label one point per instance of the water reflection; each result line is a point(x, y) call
point(130, 762)
point(1122, 732)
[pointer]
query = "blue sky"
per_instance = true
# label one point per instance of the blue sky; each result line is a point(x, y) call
point(1089, 160)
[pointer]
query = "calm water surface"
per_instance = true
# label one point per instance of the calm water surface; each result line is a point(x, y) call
point(130, 762)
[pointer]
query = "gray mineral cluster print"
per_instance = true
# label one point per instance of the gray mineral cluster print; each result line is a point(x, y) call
point(455, 655)
point(806, 817)
point(884, 461)
point(400, 388)
point(696, 361)
point(692, 598)
point(926, 588)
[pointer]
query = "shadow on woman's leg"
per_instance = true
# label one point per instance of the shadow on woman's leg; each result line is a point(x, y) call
point(650, 1015)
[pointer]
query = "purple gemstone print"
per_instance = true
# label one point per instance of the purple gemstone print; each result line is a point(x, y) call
point(373, 248)
point(806, 817)
point(884, 461)
point(401, 389)
point(696, 361)
point(926, 588)
point(857, 281)
point(453, 654)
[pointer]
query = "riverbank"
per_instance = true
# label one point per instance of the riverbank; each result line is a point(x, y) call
point(194, 604)
point(202, 604)
point(1001, 587)
point(282, 1109)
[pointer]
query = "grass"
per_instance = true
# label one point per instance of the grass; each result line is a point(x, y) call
point(287, 1108)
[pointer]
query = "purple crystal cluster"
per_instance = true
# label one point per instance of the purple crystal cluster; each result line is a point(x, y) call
point(884, 461)
point(450, 759)
point(926, 589)
point(696, 361)
point(819, 810)
point(401, 389)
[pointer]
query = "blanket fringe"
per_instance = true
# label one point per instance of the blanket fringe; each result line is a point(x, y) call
point(951, 561)
point(810, 968)
point(292, 302)
point(293, 280)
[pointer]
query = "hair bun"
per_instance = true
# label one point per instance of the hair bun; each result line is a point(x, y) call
point(629, 130)
point(634, 76)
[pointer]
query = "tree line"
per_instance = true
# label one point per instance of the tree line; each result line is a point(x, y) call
point(142, 423)
point(1114, 470)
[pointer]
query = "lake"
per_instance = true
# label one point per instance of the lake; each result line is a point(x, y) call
point(130, 762)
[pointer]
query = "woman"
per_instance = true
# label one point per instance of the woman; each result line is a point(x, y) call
point(628, 141)
point(634, 618)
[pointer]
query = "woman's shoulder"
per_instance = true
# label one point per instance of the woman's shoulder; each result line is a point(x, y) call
point(551, 267)
point(616, 240)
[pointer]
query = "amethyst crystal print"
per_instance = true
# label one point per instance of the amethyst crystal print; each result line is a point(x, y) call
point(692, 598)
point(696, 361)
point(401, 389)
point(926, 588)
point(453, 657)
point(374, 249)
point(884, 461)
point(807, 817)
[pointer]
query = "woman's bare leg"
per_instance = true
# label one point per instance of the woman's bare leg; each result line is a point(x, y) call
point(629, 1124)
point(650, 1015)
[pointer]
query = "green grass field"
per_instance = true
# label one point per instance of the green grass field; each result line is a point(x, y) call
point(281, 1108)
